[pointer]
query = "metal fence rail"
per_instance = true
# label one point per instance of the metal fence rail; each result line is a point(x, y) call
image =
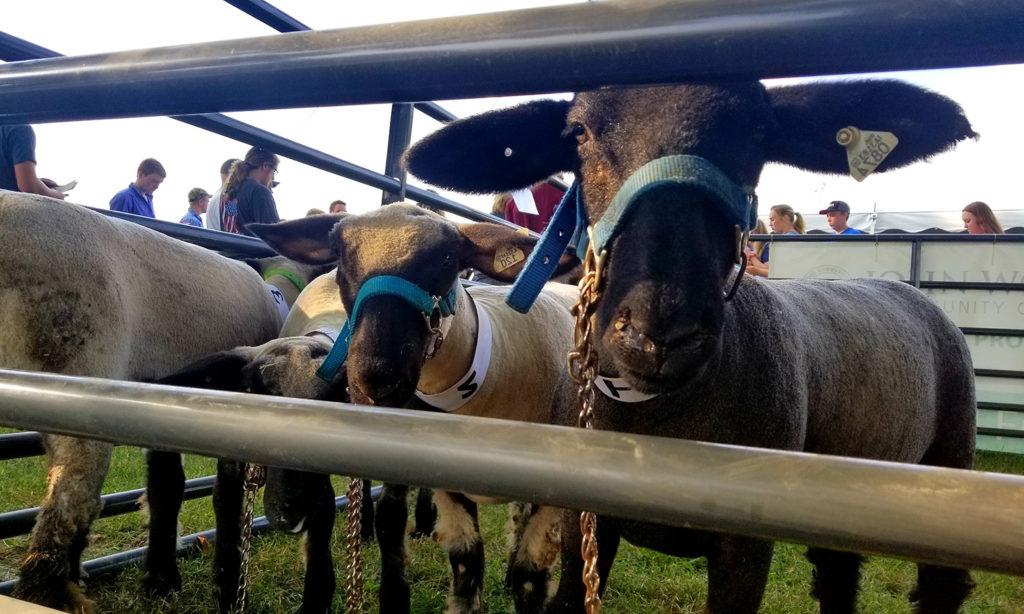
point(563, 48)
point(847, 504)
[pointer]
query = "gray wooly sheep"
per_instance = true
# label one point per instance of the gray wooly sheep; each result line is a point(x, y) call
point(773, 367)
point(85, 294)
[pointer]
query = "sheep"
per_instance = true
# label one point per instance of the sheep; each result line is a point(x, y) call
point(284, 366)
point(770, 367)
point(85, 294)
point(393, 360)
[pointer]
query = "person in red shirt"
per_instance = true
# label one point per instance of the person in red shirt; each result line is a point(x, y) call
point(547, 198)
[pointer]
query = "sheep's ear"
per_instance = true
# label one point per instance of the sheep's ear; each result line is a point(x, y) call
point(808, 116)
point(311, 240)
point(219, 371)
point(498, 151)
point(500, 252)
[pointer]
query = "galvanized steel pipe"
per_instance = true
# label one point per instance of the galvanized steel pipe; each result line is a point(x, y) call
point(564, 48)
point(939, 515)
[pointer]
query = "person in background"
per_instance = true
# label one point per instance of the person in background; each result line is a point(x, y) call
point(500, 204)
point(137, 198)
point(314, 211)
point(213, 210)
point(546, 196)
point(784, 221)
point(754, 248)
point(248, 197)
point(18, 162)
point(980, 220)
point(198, 201)
point(838, 215)
point(338, 206)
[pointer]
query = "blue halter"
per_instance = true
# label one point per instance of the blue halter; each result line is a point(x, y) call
point(568, 226)
point(386, 285)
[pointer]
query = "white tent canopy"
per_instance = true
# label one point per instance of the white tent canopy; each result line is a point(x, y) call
point(916, 221)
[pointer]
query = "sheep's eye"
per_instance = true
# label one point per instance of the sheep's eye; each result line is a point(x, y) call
point(579, 131)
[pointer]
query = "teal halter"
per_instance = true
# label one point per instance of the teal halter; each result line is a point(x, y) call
point(568, 227)
point(431, 306)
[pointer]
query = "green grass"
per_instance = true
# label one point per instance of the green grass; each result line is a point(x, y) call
point(642, 581)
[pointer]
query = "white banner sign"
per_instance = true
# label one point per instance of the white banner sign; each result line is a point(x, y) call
point(839, 260)
point(997, 352)
point(973, 262)
point(981, 308)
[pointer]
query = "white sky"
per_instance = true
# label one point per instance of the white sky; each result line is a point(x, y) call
point(103, 155)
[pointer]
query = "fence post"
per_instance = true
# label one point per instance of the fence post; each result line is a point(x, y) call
point(399, 137)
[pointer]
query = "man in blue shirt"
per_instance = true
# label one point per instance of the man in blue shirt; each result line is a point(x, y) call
point(838, 214)
point(137, 198)
point(18, 162)
point(198, 201)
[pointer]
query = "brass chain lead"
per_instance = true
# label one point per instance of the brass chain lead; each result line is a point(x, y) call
point(583, 371)
point(254, 478)
point(354, 544)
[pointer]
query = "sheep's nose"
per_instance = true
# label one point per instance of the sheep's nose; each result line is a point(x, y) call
point(630, 337)
point(634, 334)
point(374, 387)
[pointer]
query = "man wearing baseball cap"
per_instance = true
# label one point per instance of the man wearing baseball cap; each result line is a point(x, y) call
point(198, 201)
point(838, 214)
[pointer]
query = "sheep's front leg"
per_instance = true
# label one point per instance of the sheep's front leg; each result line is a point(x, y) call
point(318, 590)
point(227, 507)
point(534, 550)
point(426, 514)
point(391, 517)
point(458, 531)
point(737, 574)
point(50, 571)
point(165, 490)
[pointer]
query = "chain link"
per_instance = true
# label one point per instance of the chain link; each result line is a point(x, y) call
point(255, 478)
point(583, 370)
point(354, 543)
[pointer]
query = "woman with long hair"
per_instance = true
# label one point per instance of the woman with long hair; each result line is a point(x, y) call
point(784, 220)
point(247, 192)
point(980, 220)
point(756, 247)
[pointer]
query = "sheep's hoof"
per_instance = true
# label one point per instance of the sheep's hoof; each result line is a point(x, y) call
point(68, 598)
point(162, 583)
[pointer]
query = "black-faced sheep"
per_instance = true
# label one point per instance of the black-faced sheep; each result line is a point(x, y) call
point(84, 294)
point(397, 358)
point(865, 368)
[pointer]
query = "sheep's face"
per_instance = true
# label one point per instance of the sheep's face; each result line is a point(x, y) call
point(390, 339)
point(283, 367)
point(660, 315)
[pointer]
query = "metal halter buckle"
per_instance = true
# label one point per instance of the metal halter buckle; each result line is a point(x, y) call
point(433, 322)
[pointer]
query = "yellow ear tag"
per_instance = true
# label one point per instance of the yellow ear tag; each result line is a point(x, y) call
point(507, 257)
point(865, 149)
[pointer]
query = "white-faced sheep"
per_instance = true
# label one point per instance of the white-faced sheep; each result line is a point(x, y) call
point(84, 294)
point(774, 366)
point(460, 350)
